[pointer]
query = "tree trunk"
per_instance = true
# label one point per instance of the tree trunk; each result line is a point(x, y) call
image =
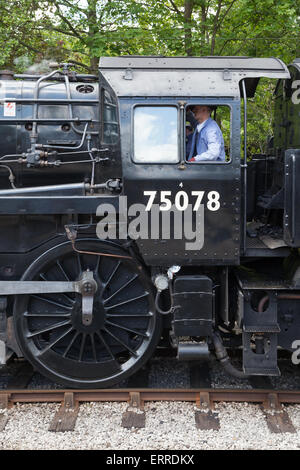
point(188, 11)
point(93, 29)
point(215, 27)
point(203, 26)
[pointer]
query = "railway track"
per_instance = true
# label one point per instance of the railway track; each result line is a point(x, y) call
point(137, 392)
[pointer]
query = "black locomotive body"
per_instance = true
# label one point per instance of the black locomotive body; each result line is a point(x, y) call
point(112, 242)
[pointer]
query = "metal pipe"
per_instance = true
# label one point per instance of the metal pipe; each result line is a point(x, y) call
point(59, 163)
point(262, 302)
point(71, 189)
point(50, 101)
point(66, 148)
point(12, 155)
point(93, 162)
point(35, 96)
point(11, 175)
point(49, 120)
point(81, 77)
point(69, 97)
point(289, 296)
point(222, 356)
point(244, 166)
point(76, 189)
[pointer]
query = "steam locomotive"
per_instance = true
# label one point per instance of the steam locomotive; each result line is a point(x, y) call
point(112, 243)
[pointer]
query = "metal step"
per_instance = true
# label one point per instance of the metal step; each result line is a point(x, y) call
point(262, 328)
point(272, 371)
point(262, 361)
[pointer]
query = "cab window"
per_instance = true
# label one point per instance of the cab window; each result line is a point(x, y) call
point(155, 134)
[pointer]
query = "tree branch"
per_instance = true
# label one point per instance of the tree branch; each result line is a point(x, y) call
point(64, 19)
point(66, 2)
point(175, 8)
point(226, 13)
point(67, 33)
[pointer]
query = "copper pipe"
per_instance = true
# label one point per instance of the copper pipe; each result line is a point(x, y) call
point(71, 234)
point(289, 296)
point(262, 303)
point(98, 254)
point(280, 296)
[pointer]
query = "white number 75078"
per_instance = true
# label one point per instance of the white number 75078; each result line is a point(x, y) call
point(182, 200)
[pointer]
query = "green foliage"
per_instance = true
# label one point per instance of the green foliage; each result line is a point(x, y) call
point(34, 31)
point(260, 117)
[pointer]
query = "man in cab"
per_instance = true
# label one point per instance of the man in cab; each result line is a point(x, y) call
point(207, 141)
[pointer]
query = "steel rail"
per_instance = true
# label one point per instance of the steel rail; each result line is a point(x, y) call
point(270, 398)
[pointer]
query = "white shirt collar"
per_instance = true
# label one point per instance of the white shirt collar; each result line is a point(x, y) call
point(200, 126)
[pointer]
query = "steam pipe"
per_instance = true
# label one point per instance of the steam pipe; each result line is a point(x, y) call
point(223, 357)
point(71, 189)
point(76, 189)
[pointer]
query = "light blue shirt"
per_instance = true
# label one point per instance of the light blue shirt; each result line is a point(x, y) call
point(210, 142)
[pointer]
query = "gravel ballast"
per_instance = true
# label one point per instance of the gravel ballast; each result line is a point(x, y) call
point(169, 426)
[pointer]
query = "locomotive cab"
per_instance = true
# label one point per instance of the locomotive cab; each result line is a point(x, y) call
point(155, 96)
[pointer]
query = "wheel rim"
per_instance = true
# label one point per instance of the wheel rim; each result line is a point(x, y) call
point(124, 330)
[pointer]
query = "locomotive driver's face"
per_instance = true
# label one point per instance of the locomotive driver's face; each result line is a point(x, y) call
point(201, 113)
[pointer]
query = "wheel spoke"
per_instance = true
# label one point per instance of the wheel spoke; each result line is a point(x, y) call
point(47, 315)
point(120, 289)
point(144, 335)
point(82, 346)
point(49, 328)
point(120, 342)
point(69, 299)
point(57, 304)
point(113, 273)
point(126, 315)
point(105, 344)
point(70, 344)
point(63, 271)
point(127, 301)
point(50, 345)
point(93, 346)
point(79, 265)
point(97, 264)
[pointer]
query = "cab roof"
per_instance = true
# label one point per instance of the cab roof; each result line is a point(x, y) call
point(151, 76)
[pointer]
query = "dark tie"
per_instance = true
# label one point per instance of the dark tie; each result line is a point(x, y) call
point(196, 143)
